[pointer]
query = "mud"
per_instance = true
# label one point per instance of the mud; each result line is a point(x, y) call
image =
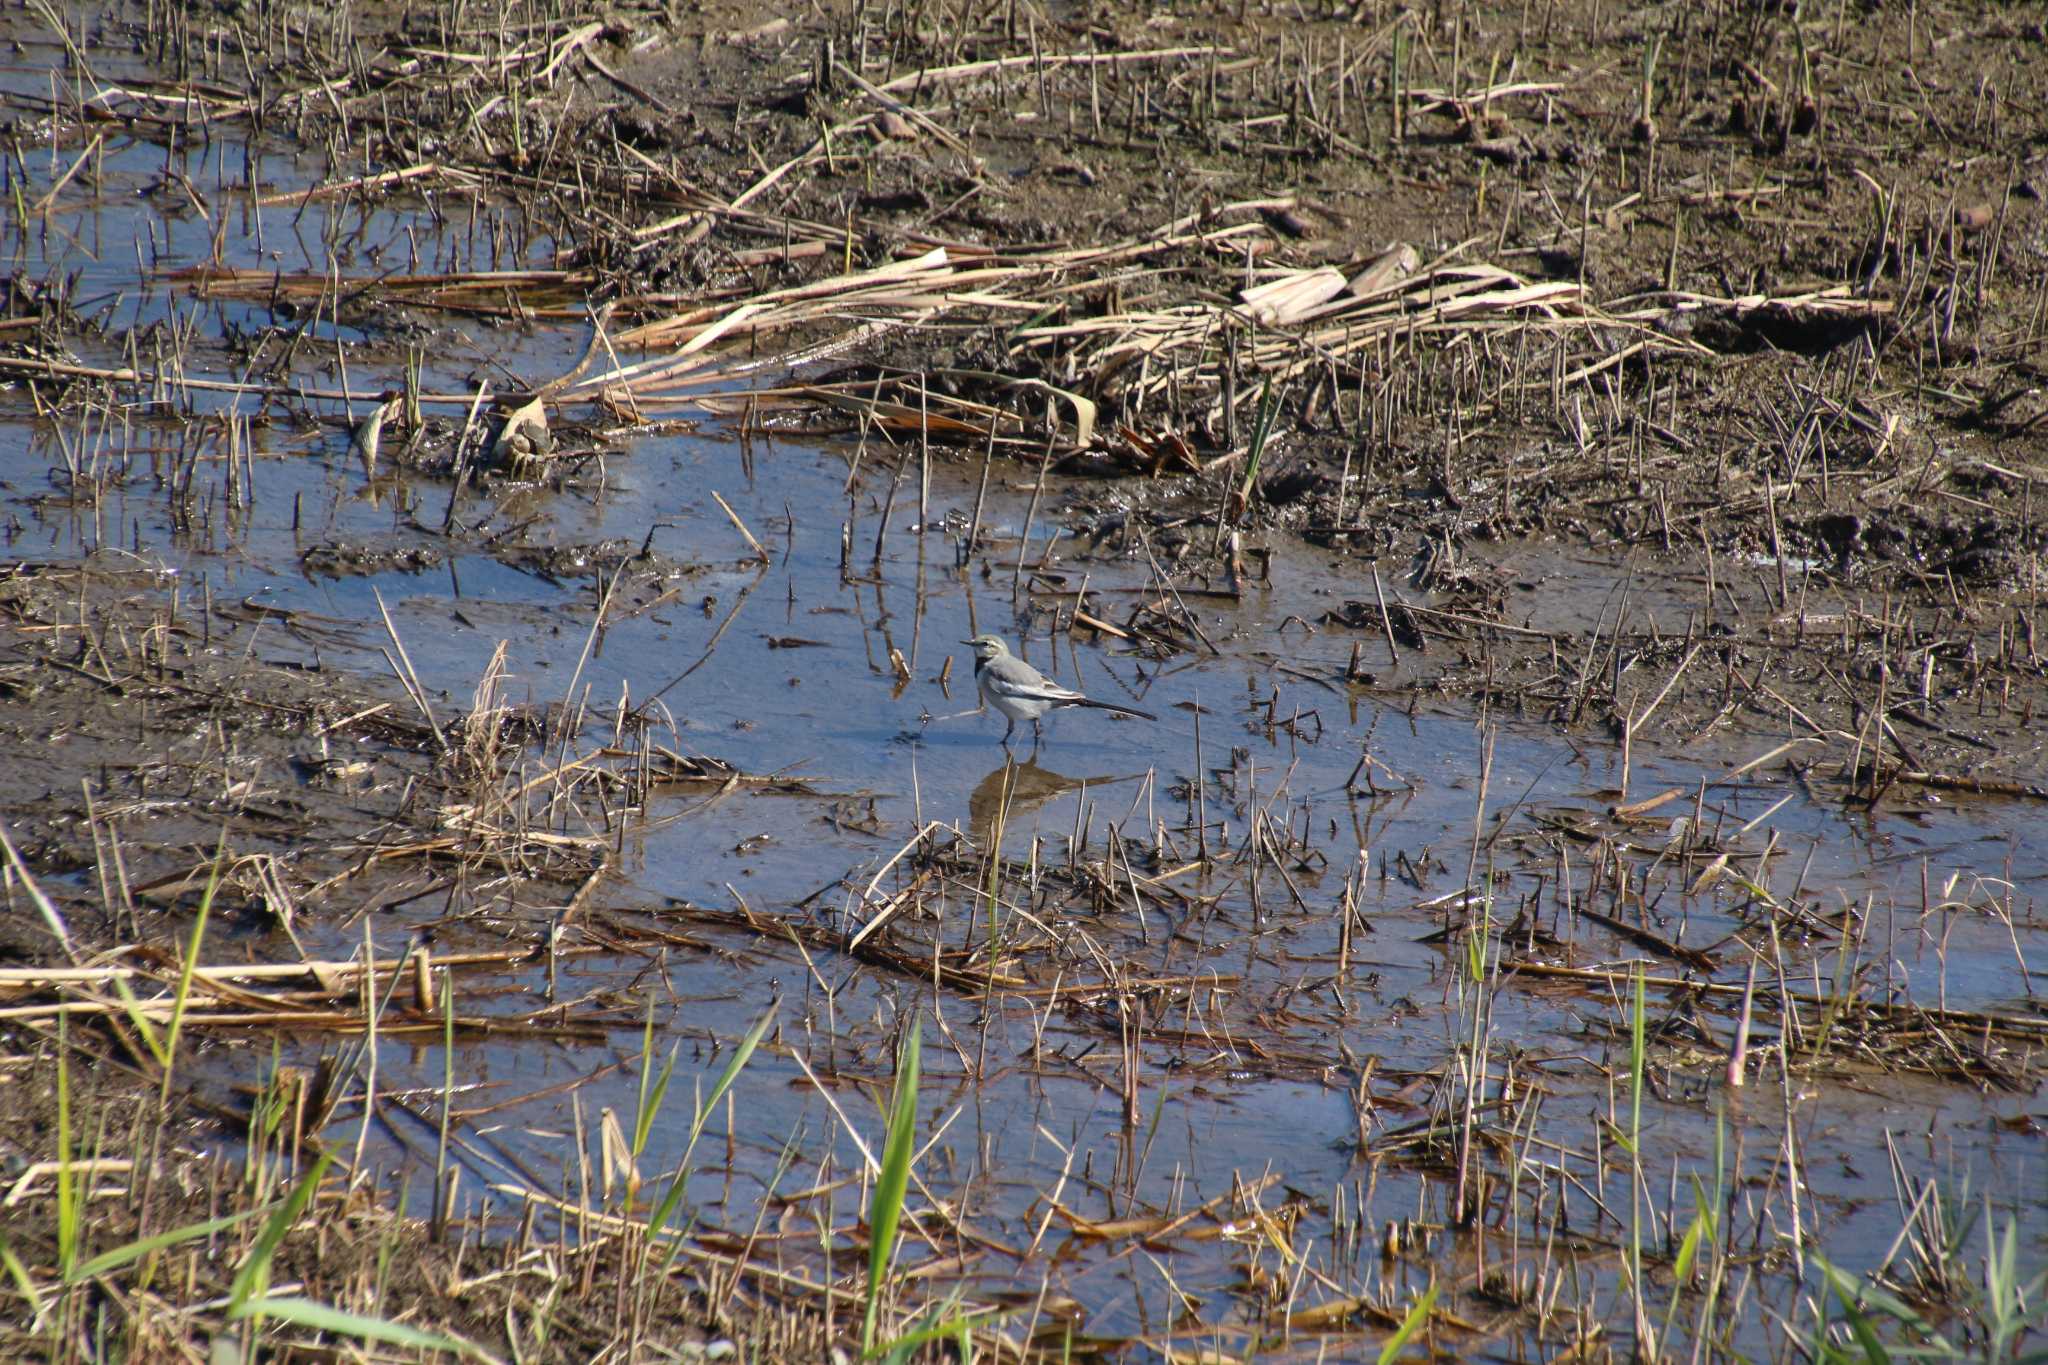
point(477, 486)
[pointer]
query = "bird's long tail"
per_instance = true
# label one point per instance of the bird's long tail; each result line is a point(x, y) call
point(1112, 706)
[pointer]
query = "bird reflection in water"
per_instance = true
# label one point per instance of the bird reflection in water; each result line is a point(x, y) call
point(1016, 788)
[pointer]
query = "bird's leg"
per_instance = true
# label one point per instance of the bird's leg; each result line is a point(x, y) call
point(1008, 729)
point(1037, 732)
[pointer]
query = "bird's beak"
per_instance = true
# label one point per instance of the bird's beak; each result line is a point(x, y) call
point(967, 642)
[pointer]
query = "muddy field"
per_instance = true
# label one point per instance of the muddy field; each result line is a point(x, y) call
point(502, 857)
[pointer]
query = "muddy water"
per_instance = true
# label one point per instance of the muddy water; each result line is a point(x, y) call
point(1251, 1064)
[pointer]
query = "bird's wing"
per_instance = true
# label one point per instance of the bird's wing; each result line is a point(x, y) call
point(1032, 688)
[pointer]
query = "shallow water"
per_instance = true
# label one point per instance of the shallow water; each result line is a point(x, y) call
point(1263, 1018)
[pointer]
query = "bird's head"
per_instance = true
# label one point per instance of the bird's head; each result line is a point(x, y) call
point(987, 646)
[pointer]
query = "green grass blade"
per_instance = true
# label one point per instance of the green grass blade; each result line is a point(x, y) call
point(1860, 1325)
point(1889, 1304)
point(1638, 1053)
point(67, 1192)
point(733, 1066)
point(1410, 1325)
point(253, 1279)
point(652, 1100)
point(135, 1251)
point(955, 1329)
point(1681, 1271)
point(653, 1089)
point(1262, 431)
point(1700, 1230)
point(24, 1284)
point(885, 1205)
point(191, 963)
point(133, 1009)
point(319, 1317)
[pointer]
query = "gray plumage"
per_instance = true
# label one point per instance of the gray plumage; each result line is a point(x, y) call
point(1020, 692)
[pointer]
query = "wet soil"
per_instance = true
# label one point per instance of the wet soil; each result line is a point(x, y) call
point(143, 716)
point(1675, 612)
point(1805, 419)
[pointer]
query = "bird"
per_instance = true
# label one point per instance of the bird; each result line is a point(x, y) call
point(1021, 692)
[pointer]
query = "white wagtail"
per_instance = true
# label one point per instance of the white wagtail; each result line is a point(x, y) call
point(1021, 692)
